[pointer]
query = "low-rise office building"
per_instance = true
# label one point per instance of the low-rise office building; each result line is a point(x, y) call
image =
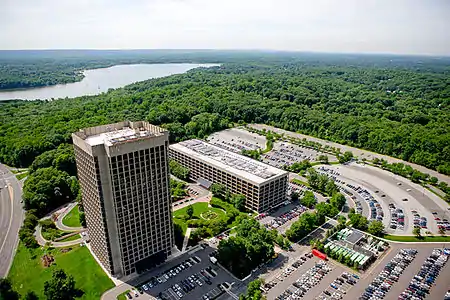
point(263, 186)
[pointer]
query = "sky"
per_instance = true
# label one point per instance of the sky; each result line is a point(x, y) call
point(367, 26)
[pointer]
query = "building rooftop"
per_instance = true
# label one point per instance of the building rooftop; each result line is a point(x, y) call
point(240, 165)
point(119, 133)
point(126, 134)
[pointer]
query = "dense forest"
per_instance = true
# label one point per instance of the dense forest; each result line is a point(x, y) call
point(399, 106)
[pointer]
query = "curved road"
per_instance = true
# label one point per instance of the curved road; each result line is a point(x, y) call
point(11, 217)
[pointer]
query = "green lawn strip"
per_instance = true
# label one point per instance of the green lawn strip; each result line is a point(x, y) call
point(298, 181)
point(123, 296)
point(410, 238)
point(16, 171)
point(28, 274)
point(72, 219)
point(199, 208)
point(70, 238)
point(22, 175)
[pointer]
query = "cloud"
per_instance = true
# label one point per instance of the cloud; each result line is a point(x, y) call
point(389, 26)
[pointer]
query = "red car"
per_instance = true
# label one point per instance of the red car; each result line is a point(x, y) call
point(437, 219)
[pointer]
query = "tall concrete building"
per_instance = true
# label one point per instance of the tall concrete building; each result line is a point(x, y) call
point(262, 185)
point(124, 178)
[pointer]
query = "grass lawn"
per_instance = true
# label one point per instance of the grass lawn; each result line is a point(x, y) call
point(27, 273)
point(298, 181)
point(199, 208)
point(15, 171)
point(410, 238)
point(72, 219)
point(70, 238)
point(123, 295)
point(22, 175)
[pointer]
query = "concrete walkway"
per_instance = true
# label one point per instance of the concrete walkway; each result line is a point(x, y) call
point(61, 212)
point(43, 242)
point(186, 239)
point(206, 198)
point(59, 224)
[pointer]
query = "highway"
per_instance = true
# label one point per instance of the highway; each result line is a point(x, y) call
point(11, 218)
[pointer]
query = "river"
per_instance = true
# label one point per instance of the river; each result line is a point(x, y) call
point(97, 81)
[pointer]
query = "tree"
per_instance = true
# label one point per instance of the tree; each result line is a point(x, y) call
point(342, 219)
point(31, 296)
point(331, 188)
point(61, 287)
point(190, 211)
point(252, 245)
point(308, 200)
point(300, 166)
point(6, 291)
point(238, 201)
point(359, 222)
point(82, 219)
point(376, 228)
point(323, 158)
point(338, 200)
point(417, 232)
point(441, 230)
point(177, 170)
point(218, 190)
point(253, 291)
point(46, 189)
point(433, 180)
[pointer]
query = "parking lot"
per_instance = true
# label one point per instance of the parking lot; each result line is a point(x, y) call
point(402, 203)
point(404, 277)
point(285, 154)
point(305, 278)
point(394, 272)
point(237, 139)
point(282, 218)
point(189, 276)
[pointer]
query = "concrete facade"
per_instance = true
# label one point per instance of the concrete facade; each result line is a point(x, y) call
point(263, 186)
point(124, 178)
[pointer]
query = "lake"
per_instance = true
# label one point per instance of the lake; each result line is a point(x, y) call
point(97, 81)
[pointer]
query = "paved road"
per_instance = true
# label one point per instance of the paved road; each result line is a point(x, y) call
point(11, 217)
point(357, 152)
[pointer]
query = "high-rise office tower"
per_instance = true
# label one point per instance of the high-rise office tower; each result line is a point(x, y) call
point(124, 178)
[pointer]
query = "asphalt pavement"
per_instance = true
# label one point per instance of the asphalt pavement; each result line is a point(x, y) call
point(11, 217)
point(356, 152)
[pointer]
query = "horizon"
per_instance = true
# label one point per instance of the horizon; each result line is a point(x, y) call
point(410, 27)
point(227, 50)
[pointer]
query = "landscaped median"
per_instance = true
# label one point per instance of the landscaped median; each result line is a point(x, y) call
point(28, 271)
point(207, 220)
point(414, 239)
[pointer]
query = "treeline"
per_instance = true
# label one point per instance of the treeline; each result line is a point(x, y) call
point(395, 111)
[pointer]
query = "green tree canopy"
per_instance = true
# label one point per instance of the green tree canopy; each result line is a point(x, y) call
point(61, 287)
